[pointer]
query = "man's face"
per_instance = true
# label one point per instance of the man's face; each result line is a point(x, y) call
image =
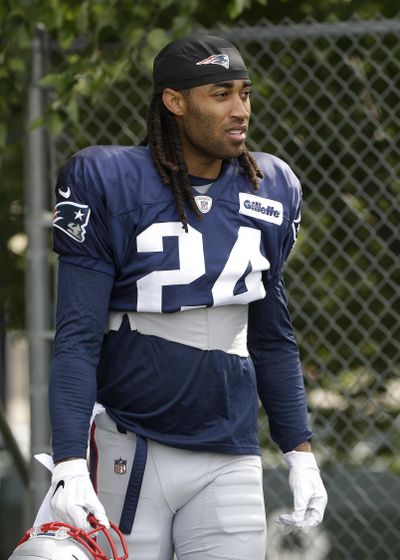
point(215, 120)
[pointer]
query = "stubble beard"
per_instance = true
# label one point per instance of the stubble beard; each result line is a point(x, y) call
point(213, 147)
point(197, 133)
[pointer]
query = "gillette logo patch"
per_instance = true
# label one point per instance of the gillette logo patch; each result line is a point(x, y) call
point(261, 208)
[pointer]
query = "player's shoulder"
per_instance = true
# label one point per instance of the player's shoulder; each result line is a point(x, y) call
point(105, 169)
point(276, 168)
point(107, 158)
point(279, 183)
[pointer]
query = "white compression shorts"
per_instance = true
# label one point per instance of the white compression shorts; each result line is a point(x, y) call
point(198, 505)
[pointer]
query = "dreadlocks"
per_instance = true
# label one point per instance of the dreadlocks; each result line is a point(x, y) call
point(167, 153)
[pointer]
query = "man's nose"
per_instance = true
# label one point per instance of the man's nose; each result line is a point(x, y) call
point(240, 108)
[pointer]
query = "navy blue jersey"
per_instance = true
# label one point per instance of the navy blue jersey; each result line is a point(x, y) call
point(122, 249)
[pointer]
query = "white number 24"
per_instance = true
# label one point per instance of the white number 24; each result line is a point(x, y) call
point(245, 252)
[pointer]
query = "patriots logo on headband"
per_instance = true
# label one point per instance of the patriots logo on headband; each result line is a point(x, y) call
point(72, 219)
point(221, 59)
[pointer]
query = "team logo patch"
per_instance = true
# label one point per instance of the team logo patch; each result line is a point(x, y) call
point(203, 203)
point(72, 219)
point(261, 208)
point(221, 59)
point(120, 466)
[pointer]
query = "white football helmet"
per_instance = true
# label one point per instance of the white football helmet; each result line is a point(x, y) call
point(53, 541)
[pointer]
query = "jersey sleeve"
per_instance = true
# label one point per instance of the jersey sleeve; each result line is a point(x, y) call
point(280, 383)
point(294, 201)
point(273, 348)
point(82, 306)
point(82, 235)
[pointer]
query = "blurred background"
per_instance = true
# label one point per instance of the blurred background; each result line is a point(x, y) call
point(326, 100)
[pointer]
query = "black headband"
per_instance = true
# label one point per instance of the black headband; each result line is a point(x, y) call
point(196, 61)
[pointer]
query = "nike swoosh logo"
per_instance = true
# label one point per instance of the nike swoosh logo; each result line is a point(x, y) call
point(65, 194)
point(60, 484)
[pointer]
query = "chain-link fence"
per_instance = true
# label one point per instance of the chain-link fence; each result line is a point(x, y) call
point(327, 101)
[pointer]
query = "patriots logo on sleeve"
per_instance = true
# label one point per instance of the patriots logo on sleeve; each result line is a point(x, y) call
point(72, 219)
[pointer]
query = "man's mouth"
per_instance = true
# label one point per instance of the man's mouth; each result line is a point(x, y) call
point(238, 133)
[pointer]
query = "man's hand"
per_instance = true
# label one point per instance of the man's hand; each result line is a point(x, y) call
point(309, 494)
point(73, 496)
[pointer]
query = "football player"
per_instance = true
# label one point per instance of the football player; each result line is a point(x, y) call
point(172, 314)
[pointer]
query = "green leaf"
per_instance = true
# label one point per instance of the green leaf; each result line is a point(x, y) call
point(236, 7)
point(83, 18)
point(55, 123)
point(157, 38)
point(17, 64)
point(119, 69)
point(72, 109)
point(66, 38)
point(35, 123)
point(83, 84)
point(51, 80)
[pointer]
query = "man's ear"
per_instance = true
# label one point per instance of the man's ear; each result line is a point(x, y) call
point(174, 101)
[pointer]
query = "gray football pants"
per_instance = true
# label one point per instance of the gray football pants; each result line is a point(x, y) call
point(198, 505)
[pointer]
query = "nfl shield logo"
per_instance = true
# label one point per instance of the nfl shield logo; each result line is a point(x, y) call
point(120, 466)
point(204, 203)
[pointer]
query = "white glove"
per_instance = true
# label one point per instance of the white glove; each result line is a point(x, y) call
point(73, 497)
point(309, 494)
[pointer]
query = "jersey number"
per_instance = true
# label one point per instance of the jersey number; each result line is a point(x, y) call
point(245, 262)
